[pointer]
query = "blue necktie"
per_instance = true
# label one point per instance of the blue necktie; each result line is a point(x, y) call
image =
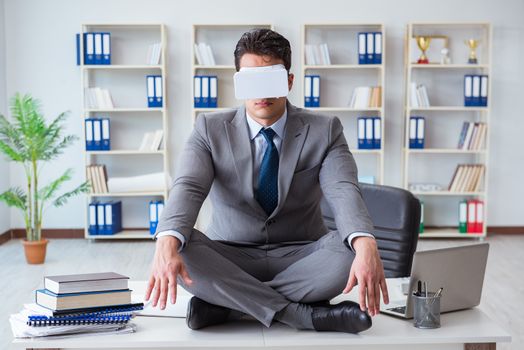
point(267, 192)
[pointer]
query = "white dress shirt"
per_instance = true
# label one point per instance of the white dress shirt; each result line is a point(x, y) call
point(258, 148)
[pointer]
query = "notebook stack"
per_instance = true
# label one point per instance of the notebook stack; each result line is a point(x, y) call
point(83, 303)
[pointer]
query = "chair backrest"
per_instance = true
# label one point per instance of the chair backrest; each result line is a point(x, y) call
point(395, 213)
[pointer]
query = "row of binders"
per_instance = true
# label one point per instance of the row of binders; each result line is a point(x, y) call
point(312, 91)
point(471, 216)
point(155, 211)
point(74, 304)
point(418, 96)
point(105, 218)
point(416, 132)
point(475, 90)
point(369, 132)
point(97, 48)
point(467, 178)
point(98, 98)
point(366, 97)
point(205, 91)
point(97, 132)
point(317, 54)
point(204, 54)
point(472, 136)
point(370, 48)
point(97, 178)
point(154, 91)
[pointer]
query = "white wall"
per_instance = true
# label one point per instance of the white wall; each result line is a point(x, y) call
point(41, 55)
point(5, 220)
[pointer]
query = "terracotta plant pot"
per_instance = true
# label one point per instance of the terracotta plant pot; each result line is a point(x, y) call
point(35, 251)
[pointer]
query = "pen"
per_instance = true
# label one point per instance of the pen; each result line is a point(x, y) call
point(419, 288)
point(439, 292)
point(426, 289)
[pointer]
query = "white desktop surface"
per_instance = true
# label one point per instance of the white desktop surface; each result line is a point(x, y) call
point(462, 327)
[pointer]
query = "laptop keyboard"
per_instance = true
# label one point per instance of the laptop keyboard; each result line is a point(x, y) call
point(399, 309)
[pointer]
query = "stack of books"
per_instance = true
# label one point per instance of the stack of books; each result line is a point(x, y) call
point(317, 55)
point(418, 95)
point(98, 98)
point(366, 97)
point(204, 55)
point(96, 176)
point(82, 303)
point(154, 53)
point(151, 141)
point(472, 136)
point(467, 178)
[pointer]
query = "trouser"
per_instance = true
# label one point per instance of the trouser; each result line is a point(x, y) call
point(262, 280)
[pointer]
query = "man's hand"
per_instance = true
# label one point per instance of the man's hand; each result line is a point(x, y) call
point(167, 265)
point(368, 271)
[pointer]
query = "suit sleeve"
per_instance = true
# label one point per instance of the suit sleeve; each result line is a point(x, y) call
point(339, 183)
point(195, 174)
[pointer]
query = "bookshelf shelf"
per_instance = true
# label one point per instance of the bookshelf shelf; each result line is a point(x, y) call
point(123, 110)
point(124, 152)
point(345, 66)
point(222, 38)
point(218, 109)
point(449, 193)
point(128, 194)
point(444, 151)
point(445, 82)
point(344, 109)
point(122, 66)
point(341, 77)
point(123, 78)
point(125, 234)
point(366, 151)
point(448, 66)
point(223, 66)
point(447, 232)
point(449, 109)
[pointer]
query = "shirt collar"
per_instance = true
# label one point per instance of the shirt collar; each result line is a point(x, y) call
point(278, 127)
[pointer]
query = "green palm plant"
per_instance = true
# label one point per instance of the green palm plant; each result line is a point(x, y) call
point(30, 141)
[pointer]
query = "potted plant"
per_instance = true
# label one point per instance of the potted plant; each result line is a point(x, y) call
point(30, 141)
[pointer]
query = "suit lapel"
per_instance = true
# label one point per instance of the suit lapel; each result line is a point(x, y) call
point(240, 146)
point(294, 137)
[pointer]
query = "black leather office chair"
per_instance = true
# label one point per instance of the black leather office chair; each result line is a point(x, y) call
point(396, 217)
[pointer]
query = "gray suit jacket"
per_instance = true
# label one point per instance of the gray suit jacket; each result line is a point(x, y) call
point(314, 161)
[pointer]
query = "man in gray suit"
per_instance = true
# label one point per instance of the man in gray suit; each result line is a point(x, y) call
point(267, 252)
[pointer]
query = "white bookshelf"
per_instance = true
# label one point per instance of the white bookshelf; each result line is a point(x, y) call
point(338, 79)
point(223, 39)
point(445, 83)
point(125, 78)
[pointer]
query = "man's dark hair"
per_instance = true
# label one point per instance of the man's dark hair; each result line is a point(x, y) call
point(263, 42)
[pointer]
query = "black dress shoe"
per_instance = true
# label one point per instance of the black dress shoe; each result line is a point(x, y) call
point(343, 317)
point(202, 314)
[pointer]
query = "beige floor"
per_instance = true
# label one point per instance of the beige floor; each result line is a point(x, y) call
point(503, 295)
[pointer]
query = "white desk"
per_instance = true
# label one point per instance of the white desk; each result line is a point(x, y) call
point(470, 329)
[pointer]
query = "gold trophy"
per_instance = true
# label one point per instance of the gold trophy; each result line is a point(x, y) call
point(423, 45)
point(472, 44)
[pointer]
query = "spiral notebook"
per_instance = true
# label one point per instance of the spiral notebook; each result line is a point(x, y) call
point(41, 321)
point(93, 311)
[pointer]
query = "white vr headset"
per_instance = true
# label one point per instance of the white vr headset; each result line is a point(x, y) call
point(261, 82)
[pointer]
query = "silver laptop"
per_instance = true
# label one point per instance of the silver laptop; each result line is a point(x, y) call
point(459, 270)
